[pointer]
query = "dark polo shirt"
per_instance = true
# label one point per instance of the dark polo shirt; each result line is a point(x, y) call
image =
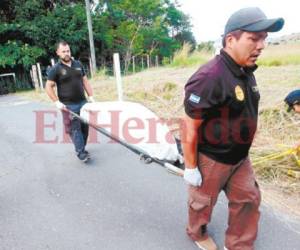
point(69, 81)
point(225, 96)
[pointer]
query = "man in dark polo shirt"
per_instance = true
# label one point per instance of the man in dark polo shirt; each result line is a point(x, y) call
point(221, 106)
point(70, 80)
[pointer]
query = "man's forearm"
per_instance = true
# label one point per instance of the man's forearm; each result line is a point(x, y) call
point(87, 86)
point(88, 90)
point(190, 152)
point(189, 138)
point(51, 92)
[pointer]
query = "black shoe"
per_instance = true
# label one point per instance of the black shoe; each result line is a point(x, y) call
point(88, 153)
point(83, 156)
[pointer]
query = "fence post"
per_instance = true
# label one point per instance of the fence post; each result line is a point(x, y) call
point(148, 61)
point(40, 75)
point(35, 77)
point(91, 67)
point(117, 70)
point(142, 63)
point(156, 61)
point(133, 64)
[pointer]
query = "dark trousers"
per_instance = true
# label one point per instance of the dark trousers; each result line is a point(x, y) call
point(77, 130)
point(244, 198)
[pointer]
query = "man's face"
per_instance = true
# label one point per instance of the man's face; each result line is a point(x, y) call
point(296, 108)
point(64, 53)
point(248, 47)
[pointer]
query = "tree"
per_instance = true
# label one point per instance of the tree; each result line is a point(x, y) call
point(30, 28)
point(138, 27)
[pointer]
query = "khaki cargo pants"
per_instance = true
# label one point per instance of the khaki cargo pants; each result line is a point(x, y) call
point(244, 198)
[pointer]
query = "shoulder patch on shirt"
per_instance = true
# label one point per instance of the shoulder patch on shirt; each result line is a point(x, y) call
point(255, 89)
point(194, 98)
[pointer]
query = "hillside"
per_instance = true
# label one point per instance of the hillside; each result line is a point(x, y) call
point(294, 37)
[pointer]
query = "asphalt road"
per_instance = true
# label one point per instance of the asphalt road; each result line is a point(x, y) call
point(50, 200)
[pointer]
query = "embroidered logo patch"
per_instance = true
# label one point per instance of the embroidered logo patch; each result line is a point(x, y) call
point(63, 72)
point(194, 98)
point(255, 89)
point(239, 93)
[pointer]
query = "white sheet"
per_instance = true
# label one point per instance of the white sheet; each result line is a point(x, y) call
point(136, 125)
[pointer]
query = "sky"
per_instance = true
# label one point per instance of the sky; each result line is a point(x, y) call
point(210, 16)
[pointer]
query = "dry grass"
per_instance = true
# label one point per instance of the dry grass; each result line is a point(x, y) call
point(278, 131)
point(282, 54)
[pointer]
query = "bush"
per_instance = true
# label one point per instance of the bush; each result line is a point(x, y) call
point(166, 61)
point(185, 58)
point(101, 73)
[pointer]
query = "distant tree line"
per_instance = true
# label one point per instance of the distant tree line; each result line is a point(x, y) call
point(29, 29)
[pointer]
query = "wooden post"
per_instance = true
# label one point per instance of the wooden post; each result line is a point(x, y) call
point(142, 63)
point(133, 64)
point(35, 77)
point(91, 68)
point(156, 61)
point(31, 74)
point(117, 70)
point(91, 38)
point(148, 61)
point(40, 75)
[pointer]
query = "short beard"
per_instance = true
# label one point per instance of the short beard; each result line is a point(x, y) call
point(66, 60)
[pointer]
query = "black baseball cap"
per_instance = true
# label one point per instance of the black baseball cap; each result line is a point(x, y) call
point(292, 98)
point(252, 19)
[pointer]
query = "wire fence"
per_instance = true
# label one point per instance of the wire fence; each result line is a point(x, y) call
point(28, 79)
point(134, 65)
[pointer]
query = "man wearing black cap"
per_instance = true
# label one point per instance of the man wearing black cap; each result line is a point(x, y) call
point(221, 106)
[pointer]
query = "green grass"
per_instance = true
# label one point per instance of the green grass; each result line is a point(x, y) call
point(273, 55)
point(184, 57)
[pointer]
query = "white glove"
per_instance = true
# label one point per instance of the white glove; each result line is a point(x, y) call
point(91, 99)
point(60, 105)
point(192, 176)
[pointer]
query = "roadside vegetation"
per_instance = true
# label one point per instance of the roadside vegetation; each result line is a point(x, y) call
point(30, 29)
point(185, 57)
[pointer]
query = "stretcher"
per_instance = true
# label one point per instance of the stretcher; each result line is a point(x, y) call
point(138, 129)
